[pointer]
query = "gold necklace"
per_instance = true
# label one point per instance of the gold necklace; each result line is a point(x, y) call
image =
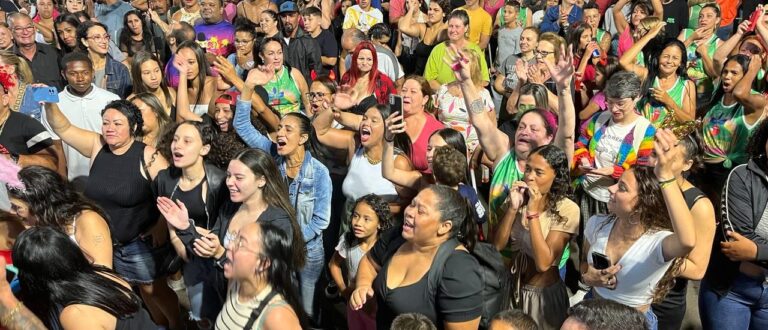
point(371, 161)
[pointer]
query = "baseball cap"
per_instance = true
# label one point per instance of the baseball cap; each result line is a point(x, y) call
point(288, 7)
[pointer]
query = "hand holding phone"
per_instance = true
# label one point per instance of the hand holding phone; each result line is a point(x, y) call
point(600, 261)
point(396, 103)
point(45, 94)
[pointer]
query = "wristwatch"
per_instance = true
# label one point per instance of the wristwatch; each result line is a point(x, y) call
point(221, 261)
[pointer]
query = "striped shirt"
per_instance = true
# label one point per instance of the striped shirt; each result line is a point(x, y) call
point(235, 313)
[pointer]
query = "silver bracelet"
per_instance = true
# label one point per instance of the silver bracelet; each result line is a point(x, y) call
point(477, 106)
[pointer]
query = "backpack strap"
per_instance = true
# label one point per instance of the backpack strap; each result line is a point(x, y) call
point(438, 264)
point(257, 311)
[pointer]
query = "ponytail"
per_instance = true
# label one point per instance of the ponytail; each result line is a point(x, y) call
point(456, 209)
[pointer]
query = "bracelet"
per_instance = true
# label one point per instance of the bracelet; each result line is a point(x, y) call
point(668, 182)
point(7, 318)
point(389, 140)
point(532, 215)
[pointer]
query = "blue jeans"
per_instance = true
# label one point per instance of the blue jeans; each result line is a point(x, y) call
point(745, 306)
point(310, 274)
point(138, 262)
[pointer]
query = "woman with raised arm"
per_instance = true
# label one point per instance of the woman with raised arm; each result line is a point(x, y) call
point(671, 310)
point(251, 9)
point(736, 110)
point(701, 45)
point(256, 194)
point(121, 173)
point(309, 183)
point(629, 30)
point(429, 33)
point(196, 87)
point(745, 43)
point(537, 127)
point(649, 230)
point(54, 202)
point(666, 90)
point(364, 155)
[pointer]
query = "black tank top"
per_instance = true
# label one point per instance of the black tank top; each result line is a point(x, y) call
point(421, 52)
point(115, 183)
point(193, 200)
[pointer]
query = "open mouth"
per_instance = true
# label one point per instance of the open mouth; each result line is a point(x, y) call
point(365, 134)
point(408, 225)
point(281, 143)
point(177, 156)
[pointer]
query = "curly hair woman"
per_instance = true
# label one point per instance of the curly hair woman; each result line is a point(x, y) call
point(540, 221)
point(649, 230)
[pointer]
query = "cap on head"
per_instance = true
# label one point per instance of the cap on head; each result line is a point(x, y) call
point(288, 7)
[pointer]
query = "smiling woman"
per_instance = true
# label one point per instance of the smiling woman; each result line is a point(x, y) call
point(94, 39)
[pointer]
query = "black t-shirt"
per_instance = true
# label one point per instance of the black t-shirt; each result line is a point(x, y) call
point(676, 16)
point(8, 6)
point(328, 45)
point(22, 135)
point(457, 297)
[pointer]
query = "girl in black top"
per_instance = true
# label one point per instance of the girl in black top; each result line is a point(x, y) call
point(66, 291)
point(195, 183)
point(120, 183)
point(256, 192)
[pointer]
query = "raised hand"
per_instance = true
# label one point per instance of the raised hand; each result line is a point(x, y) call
point(654, 31)
point(536, 74)
point(562, 71)
point(260, 75)
point(180, 63)
point(224, 68)
point(175, 213)
point(345, 99)
point(521, 69)
point(667, 154)
point(458, 61)
point(394, 125)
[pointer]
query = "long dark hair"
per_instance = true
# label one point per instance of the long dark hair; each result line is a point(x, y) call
point(54, 273)
point(125, 34)
point(53, 200)
point(279, 249)
point(70, 19)
point(275, 193)
point(574, 37)
point(202, 66)
point(653, 63)
point(455, 208)
point(561, 187)
point(743, 61)
point(381, 208)
point(138, 84)
point(258, 49)
point(305, 127)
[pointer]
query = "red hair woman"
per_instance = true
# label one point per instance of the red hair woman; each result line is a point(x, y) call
point(364, 77)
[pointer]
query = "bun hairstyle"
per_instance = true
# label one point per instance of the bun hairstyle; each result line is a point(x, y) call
point(456, 209)
point(130, 111)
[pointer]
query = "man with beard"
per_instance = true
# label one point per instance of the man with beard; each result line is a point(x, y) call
point(80, 101)
point(219, 34)
point(303, 52)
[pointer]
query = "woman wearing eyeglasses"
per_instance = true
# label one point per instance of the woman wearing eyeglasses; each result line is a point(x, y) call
point(610, 143)
point(242, 59)
point(108, 73)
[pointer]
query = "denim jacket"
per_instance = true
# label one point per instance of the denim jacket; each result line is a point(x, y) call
point(310, 192)
point(117, 78)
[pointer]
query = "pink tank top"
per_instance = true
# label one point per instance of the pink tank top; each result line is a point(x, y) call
point(492, 8)
point(625, 41)
point(419, 147)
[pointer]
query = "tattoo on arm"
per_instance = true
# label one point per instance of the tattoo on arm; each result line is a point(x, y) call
point(477, 106)
point(23, 319)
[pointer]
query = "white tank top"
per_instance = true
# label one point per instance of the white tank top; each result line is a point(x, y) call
point(364, 178)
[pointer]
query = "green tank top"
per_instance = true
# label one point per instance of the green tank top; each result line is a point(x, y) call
point(725, 134)
point(522, 17)
point(704, 84)
point(656, 112)
point(600, 34)
point(693, 19)
point(284, 95)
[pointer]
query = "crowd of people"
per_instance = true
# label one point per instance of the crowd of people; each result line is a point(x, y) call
point(403, 164)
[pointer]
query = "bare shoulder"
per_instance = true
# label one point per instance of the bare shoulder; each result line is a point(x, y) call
point(281, 317)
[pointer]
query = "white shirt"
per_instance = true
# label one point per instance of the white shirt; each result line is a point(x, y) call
point(642, 265)
point(83, 112)
point(605, 156)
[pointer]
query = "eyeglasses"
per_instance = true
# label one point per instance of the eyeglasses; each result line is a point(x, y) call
point(238, 244)
point(18, 29)
point(243, 42)
point(99, 38)
point(312, 95)
point(543, 53)
point(620, 103)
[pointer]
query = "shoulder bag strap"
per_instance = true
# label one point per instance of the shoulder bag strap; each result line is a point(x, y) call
point(257, 311)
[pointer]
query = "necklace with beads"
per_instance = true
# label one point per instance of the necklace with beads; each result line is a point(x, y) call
point(371, 161)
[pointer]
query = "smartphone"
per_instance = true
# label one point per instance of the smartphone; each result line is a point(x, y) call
point(396, 103)
point(600, 261)
point(45, 94)
point(526, 196)
point(753, 21)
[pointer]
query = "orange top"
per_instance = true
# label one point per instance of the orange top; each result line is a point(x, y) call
point(728, 11)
